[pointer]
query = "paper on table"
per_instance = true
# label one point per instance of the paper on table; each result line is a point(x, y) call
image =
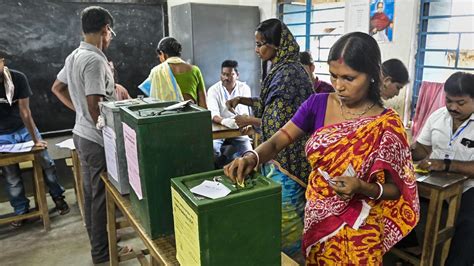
point(421, 178)
point(211, 189)
point(110, 151)
point(18, 147)
point(131, 152)
point(66, 144)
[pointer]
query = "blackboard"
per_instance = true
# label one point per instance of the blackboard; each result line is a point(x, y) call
point(37, 36)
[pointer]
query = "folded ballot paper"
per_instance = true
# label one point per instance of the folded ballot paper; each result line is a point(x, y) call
point(211, 189)
point(349, 172)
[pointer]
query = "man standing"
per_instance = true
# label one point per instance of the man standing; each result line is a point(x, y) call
point(228, 88)
point(308, 63)
point(446, 143)
point(16, 126)
point(85, 80)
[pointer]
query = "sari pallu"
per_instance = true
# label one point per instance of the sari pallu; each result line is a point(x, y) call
point(163, 82)
point(359, 230)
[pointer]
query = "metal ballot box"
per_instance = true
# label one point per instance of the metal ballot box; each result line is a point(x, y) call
point(163, 141)
point(242, 228)
point(113, 141)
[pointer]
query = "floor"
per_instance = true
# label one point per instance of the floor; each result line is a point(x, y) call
point(65, 244)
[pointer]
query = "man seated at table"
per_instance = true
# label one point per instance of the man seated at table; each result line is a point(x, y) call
point(229, 87)
point(16, 126)
point(446, 143)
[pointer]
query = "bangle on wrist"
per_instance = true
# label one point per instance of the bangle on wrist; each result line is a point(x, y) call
point(447, 164)
point(254, 153)
point(380, 191)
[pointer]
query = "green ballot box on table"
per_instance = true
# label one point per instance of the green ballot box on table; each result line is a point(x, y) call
point(113, 141)
point(161, 144)
point(242, 228)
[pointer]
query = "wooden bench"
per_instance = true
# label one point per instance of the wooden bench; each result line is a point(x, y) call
point(39, 191)
point(438, 187)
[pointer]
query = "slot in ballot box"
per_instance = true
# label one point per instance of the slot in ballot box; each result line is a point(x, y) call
point(242, 228)
point(113, 141)
point(161, 144)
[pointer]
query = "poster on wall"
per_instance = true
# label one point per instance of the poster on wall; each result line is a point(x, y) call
point(381, 20)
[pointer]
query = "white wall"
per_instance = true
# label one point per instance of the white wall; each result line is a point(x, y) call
point(268, 8)
point(403, 47)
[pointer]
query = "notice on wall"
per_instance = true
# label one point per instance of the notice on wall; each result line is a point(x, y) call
point(357, 16)
point(110, 152)
point(131, 153)
point(186, 230)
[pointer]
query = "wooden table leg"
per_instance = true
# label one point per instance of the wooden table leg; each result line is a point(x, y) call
point(153, 262)
point(76, 165)
point(454, 204)
point(40, 192)
point(432, 228)
point(111, 229)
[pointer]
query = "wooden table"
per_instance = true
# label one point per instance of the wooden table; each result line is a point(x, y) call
point(438, 187)
point(40, 194)
point(162, 250)
point(223, 132)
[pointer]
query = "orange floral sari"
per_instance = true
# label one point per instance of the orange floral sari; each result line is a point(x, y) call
point(358, 230)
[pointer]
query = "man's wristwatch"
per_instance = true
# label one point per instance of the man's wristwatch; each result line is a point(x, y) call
point(447, 164)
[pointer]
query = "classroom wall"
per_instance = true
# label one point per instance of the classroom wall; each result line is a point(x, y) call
point(404, 47)
point(37, 36)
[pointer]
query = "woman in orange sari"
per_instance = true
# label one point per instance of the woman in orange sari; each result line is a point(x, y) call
point(361, 194)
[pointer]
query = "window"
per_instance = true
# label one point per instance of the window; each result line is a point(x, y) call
point(445, 41)
point(316, 25)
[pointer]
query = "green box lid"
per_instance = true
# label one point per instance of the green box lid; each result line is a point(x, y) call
point(150, 113)
point(256, 185)
point(115, 105)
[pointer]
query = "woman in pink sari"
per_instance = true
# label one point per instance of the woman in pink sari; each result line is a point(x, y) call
point(361, 194)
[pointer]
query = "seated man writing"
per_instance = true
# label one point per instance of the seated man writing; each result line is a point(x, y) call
point(446, 143)
point(228, 88)
point(16, 126)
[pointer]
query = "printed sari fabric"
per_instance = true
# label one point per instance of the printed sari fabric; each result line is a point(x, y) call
point(359, 230)
point(163, 83)
point(284, 89)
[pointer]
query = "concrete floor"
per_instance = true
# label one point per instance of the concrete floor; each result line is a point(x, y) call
point(65, 244)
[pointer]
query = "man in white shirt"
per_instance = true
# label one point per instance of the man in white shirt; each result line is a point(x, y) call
point(446, 143)
point(228, 88)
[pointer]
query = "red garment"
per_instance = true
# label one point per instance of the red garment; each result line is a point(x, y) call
point(430, 99)
point(380, 21)
point(359, 230)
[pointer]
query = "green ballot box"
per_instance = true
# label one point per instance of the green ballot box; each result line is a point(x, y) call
point(113, 141)
point(242, 228)
point(163, 141)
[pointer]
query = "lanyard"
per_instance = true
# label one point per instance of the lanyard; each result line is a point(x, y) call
point(457, 133)
point(226, 93)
